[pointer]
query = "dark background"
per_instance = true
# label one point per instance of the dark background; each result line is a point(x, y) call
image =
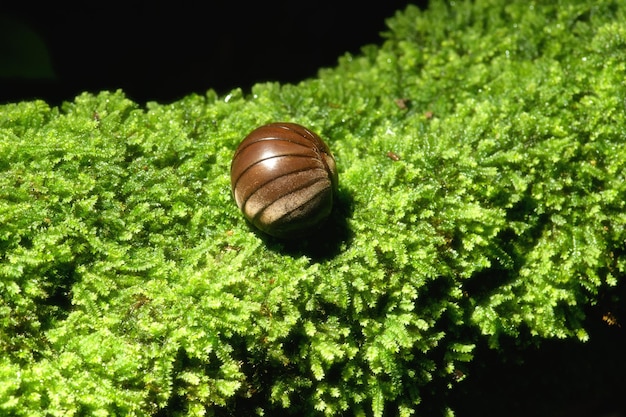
point(164, 51)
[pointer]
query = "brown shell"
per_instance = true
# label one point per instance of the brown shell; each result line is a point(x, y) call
point(283, 178)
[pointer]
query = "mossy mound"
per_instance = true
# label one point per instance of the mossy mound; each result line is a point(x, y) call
point(482, 164)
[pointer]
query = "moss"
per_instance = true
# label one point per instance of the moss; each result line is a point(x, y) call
point(131, 284)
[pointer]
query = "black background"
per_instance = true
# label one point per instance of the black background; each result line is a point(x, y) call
point(164, 51)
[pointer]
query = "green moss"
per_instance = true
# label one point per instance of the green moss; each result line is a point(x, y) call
point(131, 285)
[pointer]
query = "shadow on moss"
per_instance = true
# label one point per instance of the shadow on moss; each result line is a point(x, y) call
point(325, 243)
